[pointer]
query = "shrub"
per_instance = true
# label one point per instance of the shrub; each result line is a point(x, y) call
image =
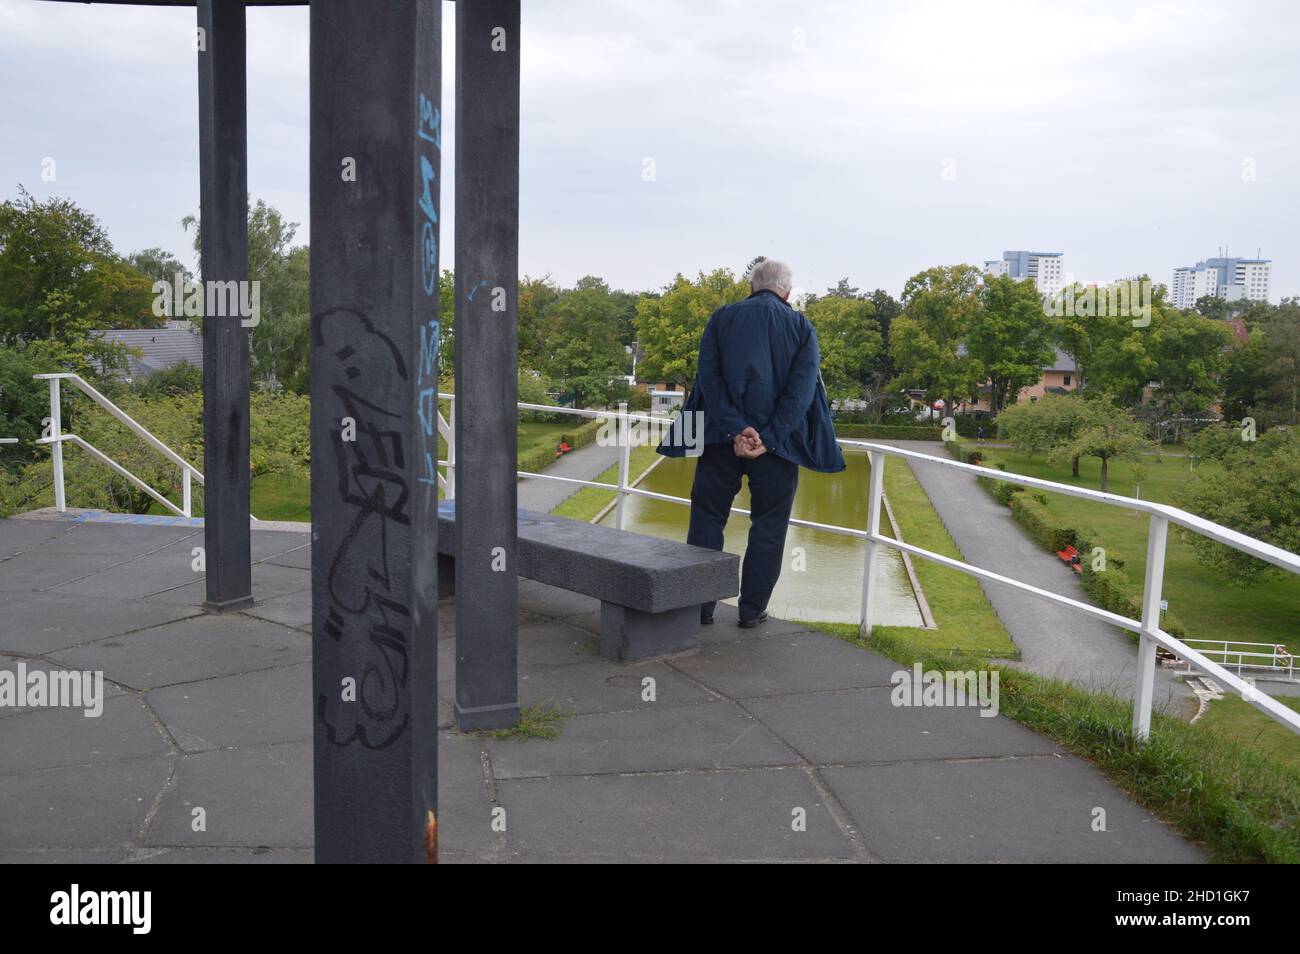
point(895, 432)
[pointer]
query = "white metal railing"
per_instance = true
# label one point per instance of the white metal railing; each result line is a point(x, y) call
point(57, 439)
point(1271, 658)
point(1160, 516)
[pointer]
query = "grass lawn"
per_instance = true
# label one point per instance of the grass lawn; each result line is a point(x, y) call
point(1267, 612)
point(533, 435)
point(589, 501)
point(965, 619)
point(1251, 729)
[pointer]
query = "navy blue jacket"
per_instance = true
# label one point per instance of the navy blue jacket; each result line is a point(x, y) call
point(760, 367)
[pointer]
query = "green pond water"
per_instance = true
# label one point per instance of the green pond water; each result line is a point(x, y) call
point(821, 577)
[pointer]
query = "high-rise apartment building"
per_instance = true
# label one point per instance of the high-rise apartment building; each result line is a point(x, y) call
point(1232, 279)
point(1047, 269)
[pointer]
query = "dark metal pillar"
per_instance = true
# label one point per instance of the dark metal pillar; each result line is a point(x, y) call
point(375, 143)
point(223, 225)
point(487, 300)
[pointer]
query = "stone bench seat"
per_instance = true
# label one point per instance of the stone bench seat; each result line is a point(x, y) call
point(650, 589)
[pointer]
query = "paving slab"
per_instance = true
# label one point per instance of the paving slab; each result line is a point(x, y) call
point(125, 729)
point(676, 816)
point(269, 580)
point(848, 726)
point(100, 806)
point(708, 735)
point(260, 796)
point(589, 687)
point(289, 609)
point(1038, 809)
point(10, 664)
point(47, 622)
point(198, 647)
point(801, 662)
point(246, 709)
point(464, 800)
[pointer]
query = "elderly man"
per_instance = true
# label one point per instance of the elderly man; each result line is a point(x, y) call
point(765, 415)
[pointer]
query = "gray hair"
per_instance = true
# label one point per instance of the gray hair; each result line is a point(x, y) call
point(771, 275)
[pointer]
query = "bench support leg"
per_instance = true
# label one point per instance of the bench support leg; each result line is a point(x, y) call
point(627, 635)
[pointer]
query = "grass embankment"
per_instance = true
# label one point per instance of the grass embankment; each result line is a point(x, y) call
point(1209, 608)
point(962, 613)
point(588, 501)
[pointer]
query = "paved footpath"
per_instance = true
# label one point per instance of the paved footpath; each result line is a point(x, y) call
point(585, 463)
point(1053, 640)
point(773, 744)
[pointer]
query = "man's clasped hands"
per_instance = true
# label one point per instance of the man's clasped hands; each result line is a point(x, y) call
point(748, 444)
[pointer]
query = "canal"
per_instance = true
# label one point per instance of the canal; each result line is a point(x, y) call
point(822, 574)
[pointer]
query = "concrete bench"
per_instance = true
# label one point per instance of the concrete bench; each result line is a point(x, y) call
point(650, 590)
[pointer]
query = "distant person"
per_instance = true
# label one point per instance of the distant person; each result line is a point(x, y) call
point(980, 439)
point(764, 412)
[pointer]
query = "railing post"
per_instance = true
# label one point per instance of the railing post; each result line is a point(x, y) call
point(56, 448)
point(877, 486)
point(451, 451)
point(1157, 535)
point(187, 493)
point(624, 459)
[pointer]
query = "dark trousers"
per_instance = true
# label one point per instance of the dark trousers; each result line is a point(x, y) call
point(772, 483)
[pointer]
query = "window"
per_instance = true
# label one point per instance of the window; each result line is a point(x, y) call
point(1066, 381)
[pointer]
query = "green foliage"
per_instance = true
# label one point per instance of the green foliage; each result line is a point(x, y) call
point(24, 401)
point(1107, 432)
point(892, 432)
point(669, 326)
point(927, 341)
point(1010, 339)
point(849, 339)
point(543, 455)
point(1256, 492)
point(585, 352)
point(181, 378)
point(61, 281)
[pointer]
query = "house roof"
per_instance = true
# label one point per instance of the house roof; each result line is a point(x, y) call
point(160, 347)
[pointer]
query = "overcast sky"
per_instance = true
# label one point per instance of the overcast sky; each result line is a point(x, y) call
point(866, 139)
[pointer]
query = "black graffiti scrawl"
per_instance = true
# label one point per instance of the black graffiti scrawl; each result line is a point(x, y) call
point(368, 610)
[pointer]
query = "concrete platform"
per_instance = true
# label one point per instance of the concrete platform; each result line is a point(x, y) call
point(757, 730)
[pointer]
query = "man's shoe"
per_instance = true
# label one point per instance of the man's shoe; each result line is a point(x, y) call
point(706, 620)
point(751, 623)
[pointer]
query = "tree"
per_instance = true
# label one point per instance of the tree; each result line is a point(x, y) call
point(1108, 433)
point(1051, 421)
point(1010, 339)
point(62, 282)
point(669, 326)
point(1282, 332)
point(850, 344)
point(586, 353)
point(279, 342)
point(1110, 353)
point(1188, 354)
point(159, 265)
point(842, 289)
point(536, 295)
point(1256, 492)
point(887, 309)
point(927, 341)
